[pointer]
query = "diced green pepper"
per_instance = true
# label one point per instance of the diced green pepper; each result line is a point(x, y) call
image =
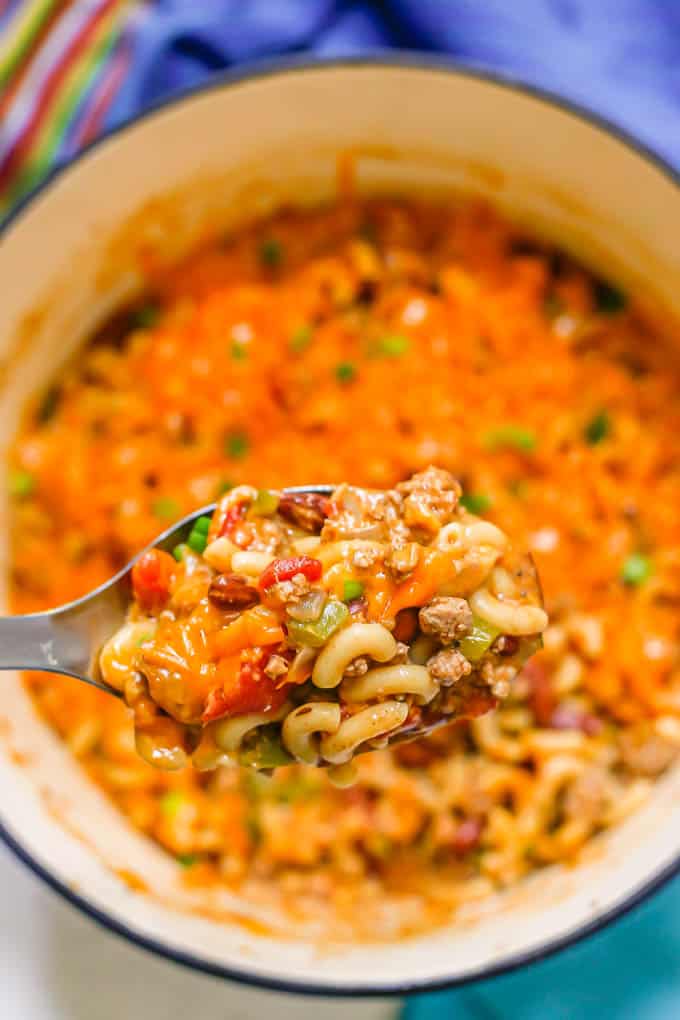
point(265, 503)
point(266, 753)
point(479, 640)
point(352, 590)
point(315, 633)
point(21, 484)
point(476, 502)
point(598, 428)
point(171, 802)
point(513, 437)
point(636, 570)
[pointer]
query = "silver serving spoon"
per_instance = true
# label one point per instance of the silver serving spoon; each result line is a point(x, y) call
point(68, 639)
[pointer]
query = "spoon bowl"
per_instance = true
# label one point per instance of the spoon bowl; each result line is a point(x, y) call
point(68, 639)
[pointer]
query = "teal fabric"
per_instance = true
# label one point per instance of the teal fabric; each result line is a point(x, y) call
point(629, 971)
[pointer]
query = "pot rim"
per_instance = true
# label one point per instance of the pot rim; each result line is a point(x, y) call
point(266, 68)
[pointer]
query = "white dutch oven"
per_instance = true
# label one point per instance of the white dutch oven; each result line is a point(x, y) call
point(214, 157)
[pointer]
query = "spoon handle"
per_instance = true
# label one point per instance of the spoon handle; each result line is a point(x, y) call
point(59, 641)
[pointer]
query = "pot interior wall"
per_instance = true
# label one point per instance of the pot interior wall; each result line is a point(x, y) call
point(200, 167)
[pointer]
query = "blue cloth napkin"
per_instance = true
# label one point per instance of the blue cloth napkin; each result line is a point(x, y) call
point(620, 57)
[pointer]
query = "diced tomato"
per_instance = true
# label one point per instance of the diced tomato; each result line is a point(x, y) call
point(233, 515)
point(285, 569)
point(467, 835)
point(478, 703)
point(249, 690)
point(542, 701)
point(152, 577)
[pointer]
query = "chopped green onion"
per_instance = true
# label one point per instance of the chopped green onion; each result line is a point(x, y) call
point(480, 638)
point(186, 860)
point(271, 252)
point(352, 590)
point(224, 486)
point(179, 552)
point(476, 502)
point(21, 484)
point(48, 405)
point(143, 639)
point(598, 428)
point(166, 508)
point(513, 437)
point(345, 372)
point(609, 300)
point(265, 503)
point(393, 346)
point(636, 570)
point(172, 802)
point(266, 753)
point(301, 338)
point(236, 445)
point(315, 633)
point(145, 316)
point(239, 351)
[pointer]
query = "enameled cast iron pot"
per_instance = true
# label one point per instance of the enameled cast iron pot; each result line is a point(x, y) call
point(219, 155)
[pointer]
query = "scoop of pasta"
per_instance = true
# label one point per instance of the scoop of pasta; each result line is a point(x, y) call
point(299, 627)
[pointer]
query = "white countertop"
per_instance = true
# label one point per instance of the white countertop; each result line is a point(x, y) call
point(56, 964)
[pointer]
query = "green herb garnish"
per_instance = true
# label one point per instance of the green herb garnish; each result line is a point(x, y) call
point(224, 486)
point(186, 860)
point(352, 590)
point(167, 509)
point(239, 351)
point(145, 316)
point(198, 538)
point(345, 372)
point(598, 428)
point(392, 346)
point(301, 338)
point(636, 570)
point(171, 802)
point(271, 252)
point(512, 437)
point(21, 484)
point(236, 445)
point(476, 502)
